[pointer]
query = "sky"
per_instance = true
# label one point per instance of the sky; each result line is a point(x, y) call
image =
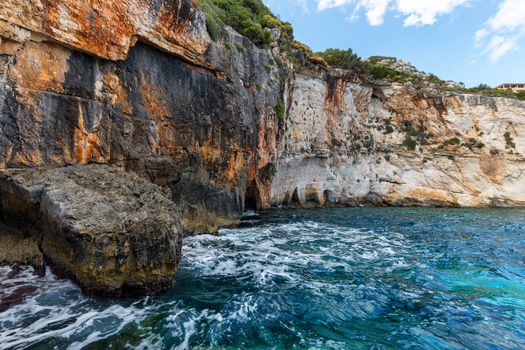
point(470, 41)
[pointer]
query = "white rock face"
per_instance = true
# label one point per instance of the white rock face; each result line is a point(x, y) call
point(346, 143)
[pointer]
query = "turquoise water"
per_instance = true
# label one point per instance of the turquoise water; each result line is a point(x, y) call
point(360, 278)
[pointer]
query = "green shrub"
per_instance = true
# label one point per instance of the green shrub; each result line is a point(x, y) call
point(336, 142)
point(345, 59)
point(483, 86)
point(379, 71)
point(434, 79)
point(509, 141)
point(240, 47)
point(279, 61)
point(453, 141)
point(486, 90)
point(308, 55)
point(250, 18)
point(410, 143)
point(389, 129)
point(269, 21)
point(280, 110)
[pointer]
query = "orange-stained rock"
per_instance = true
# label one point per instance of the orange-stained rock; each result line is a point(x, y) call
point(109, 28)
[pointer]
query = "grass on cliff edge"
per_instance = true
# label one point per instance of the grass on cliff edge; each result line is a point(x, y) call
point(349, 60)
point(250, 18)
point(486, 90)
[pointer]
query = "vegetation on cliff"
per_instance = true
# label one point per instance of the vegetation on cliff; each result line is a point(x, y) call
point(487, 90)
point(255, 21)
point(250, 18)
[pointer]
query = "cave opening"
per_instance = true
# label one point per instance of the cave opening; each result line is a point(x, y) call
point(295, 198)
point(329, 197)
point(252, 197)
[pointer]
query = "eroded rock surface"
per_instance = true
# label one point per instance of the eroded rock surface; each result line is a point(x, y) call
point(114, 232)
point(153, 94)
point(173, 106)
point(17, 248)
point(349, 143)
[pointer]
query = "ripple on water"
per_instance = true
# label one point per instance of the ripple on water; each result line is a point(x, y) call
point(328, 279)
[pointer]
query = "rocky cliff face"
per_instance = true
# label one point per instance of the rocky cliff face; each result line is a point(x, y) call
point(349, 143)
point(139, 85)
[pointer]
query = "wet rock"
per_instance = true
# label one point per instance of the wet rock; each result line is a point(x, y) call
point(114, 232)
point(16, 248)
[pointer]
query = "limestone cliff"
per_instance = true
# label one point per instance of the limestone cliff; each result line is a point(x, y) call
point(141, 85)
point(350, 143)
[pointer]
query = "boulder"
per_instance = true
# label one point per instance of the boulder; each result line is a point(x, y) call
point(113, 232)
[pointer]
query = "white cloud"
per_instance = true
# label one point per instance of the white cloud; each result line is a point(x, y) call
point(426, 12)
point(416, 12)
point(375, 10)
point(502, 32)
point(326, 4)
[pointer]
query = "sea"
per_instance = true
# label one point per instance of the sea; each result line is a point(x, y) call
point(349, 278)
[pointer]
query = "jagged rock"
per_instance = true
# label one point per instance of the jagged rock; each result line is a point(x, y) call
point(114, 232)
point(141, 85)
point(346, 143)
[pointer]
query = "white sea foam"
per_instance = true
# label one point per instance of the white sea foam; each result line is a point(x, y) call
point(265, 257)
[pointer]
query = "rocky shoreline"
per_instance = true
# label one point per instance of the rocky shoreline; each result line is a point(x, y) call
point(116, 141)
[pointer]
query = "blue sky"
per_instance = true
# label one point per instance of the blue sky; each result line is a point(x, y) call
point(472, 41)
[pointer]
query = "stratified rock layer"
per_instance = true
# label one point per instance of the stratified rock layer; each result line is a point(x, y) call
point(346, 143)
point(114, 232)
point(140, 85)
point(185, 112)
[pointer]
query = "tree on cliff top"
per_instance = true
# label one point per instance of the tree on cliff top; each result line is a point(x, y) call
point(346, 59)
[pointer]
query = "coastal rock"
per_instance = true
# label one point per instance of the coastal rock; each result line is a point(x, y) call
point(19, 249)
point(350, 144)
point(150, 93)
point(112, 231)
point(153, 94)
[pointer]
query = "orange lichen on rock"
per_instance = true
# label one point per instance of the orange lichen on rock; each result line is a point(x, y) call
point(108, 28)
point(113, 86)
point(154, 101)
point(267, 137)
point(236, 165)
point(41, 67)
point(87, 144)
